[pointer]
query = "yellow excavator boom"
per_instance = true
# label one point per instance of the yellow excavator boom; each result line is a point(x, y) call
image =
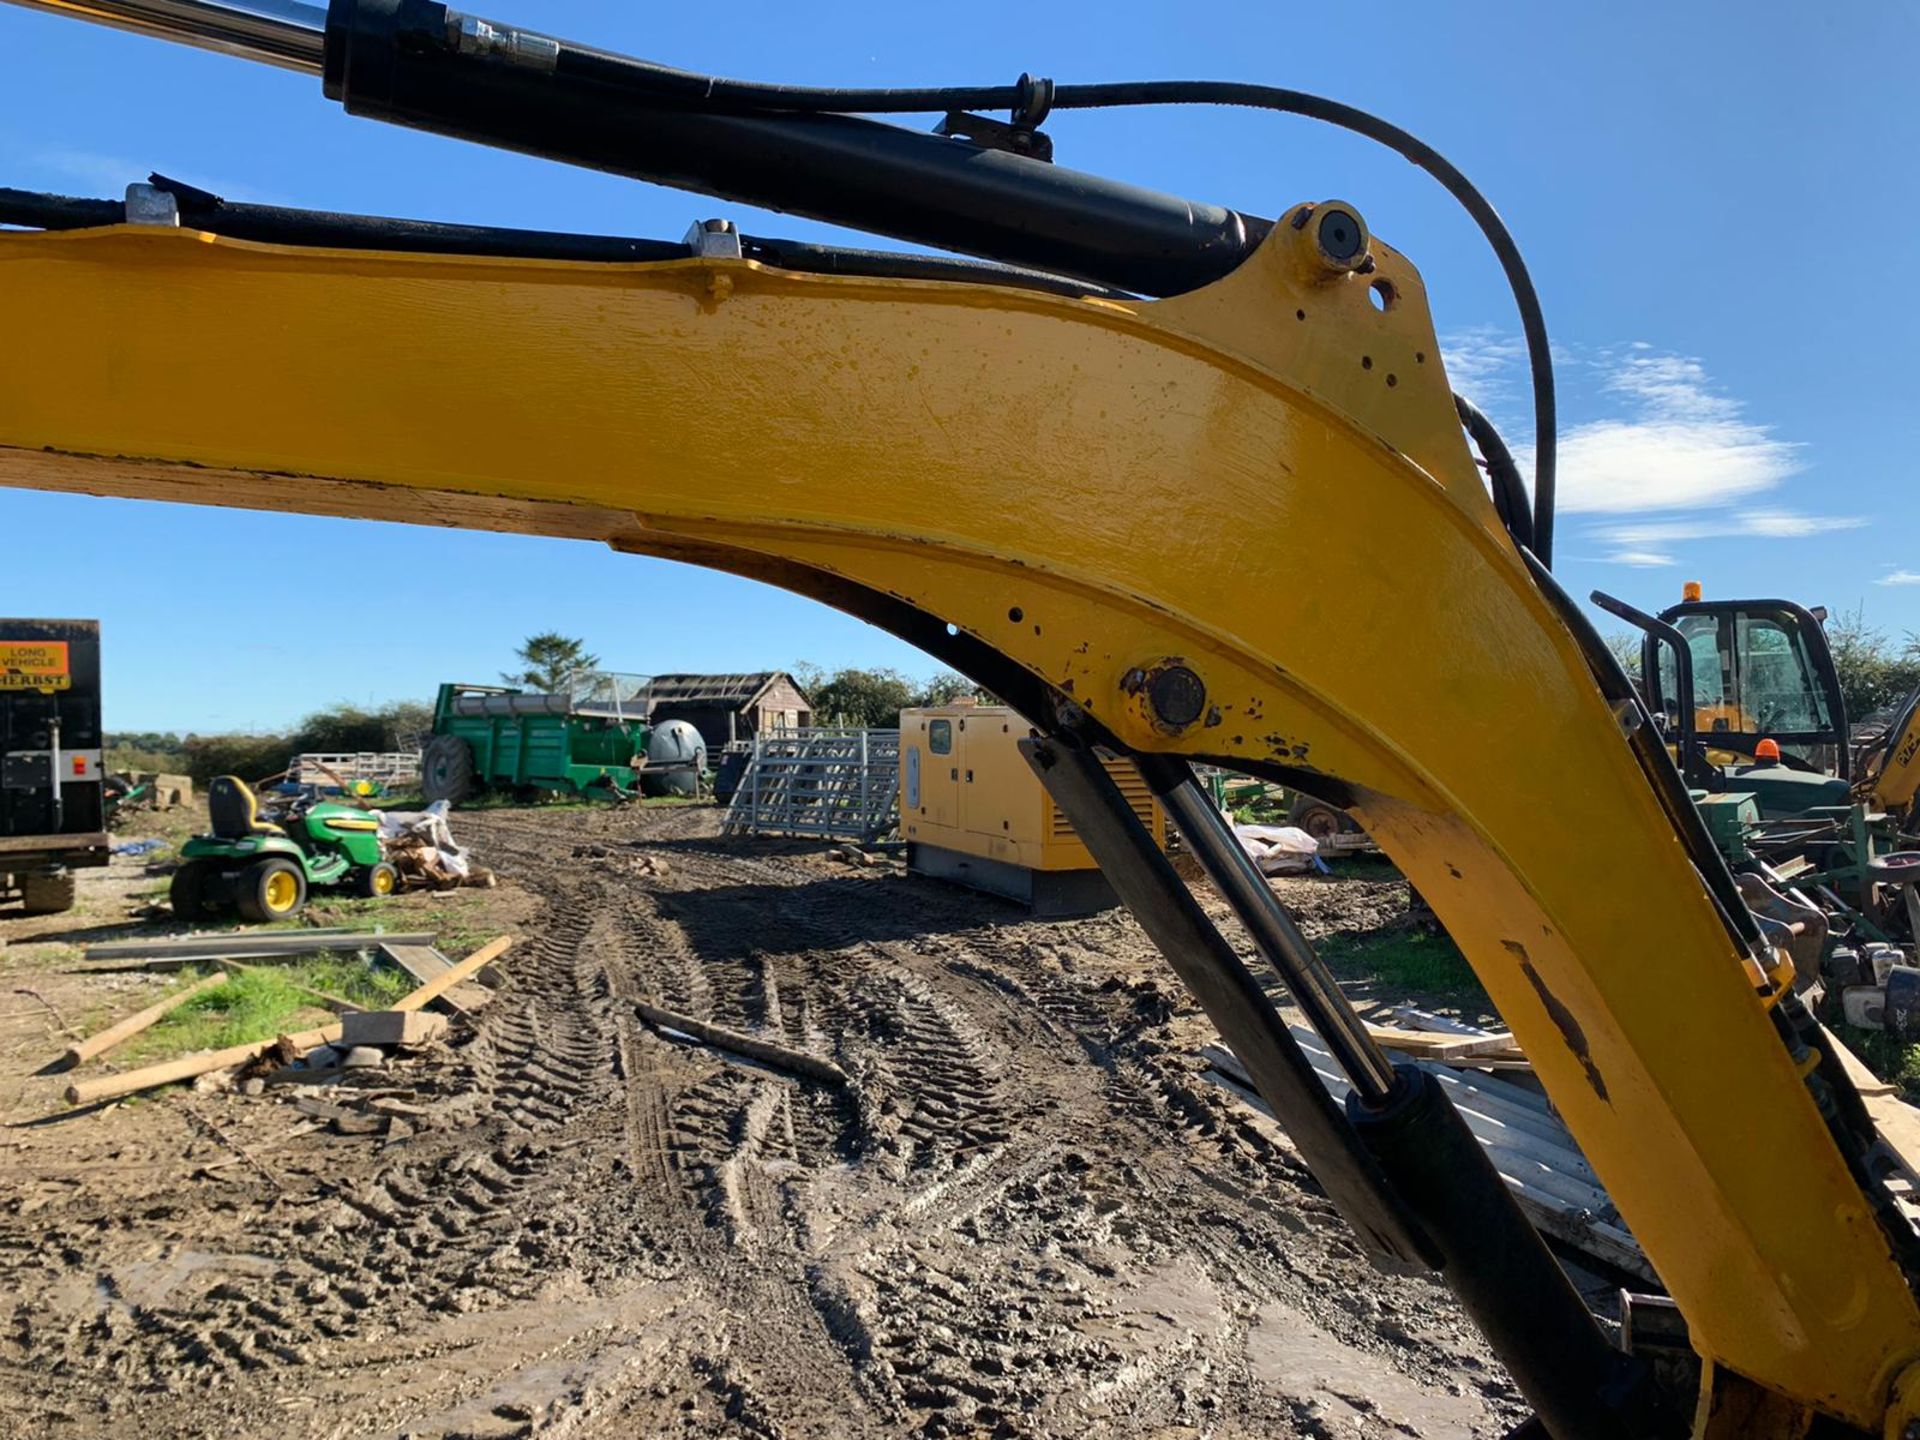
point(1262, 479)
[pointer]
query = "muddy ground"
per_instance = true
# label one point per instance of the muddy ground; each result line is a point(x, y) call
point(1029, 1214)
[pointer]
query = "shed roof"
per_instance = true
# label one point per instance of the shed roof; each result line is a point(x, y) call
point(738, 690)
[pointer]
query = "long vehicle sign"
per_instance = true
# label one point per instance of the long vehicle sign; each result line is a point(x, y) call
point(35, 665)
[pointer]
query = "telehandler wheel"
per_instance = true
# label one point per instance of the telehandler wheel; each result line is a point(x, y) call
point(190, 891)
point(446, 769)
point(272, 889)
point(376, 882)
point(48, 894)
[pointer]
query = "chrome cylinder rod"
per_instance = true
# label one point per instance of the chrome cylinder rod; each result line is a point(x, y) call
point(276, 32)
point(1274, 933)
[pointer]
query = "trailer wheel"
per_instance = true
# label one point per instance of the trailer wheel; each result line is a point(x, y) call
point(376, 882)
point(272, 889)
point(48, 894)
point(189, 891)
point(446, 769)
point(1322, 822)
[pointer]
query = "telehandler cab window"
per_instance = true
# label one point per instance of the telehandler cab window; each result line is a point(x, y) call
point(1753, 675)
point(1777, 678)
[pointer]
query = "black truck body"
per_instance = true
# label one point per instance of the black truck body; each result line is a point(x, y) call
point(52, 781)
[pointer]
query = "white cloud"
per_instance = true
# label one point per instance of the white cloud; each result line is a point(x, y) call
point(1899, 577)
point(1681, 446)
point(1669, 458)
point(104, 176)
point(1758, 524)
point(107, 174)
point(1628, 465)
point(1668, 386)
point(1484, 363)
point(1785, 525)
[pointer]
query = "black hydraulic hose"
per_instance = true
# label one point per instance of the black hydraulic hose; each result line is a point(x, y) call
point(278, 225)
point(1533, 322)
point(35, 210)
point(386, 58)
point(1509, 491)
point(1030, 100)
point(1659, 769)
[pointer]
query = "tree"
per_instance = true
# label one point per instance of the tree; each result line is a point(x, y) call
point(550, 659)
point(872, 698)
point(1873, 675)
point(347, 728)
point(875, 698)
point(1626, 649)
point(341, 729)
point(947, 687)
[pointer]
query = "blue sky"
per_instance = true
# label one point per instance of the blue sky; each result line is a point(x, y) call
point(1716, 200)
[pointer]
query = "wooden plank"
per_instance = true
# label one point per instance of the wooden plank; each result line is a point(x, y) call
point(754, 1048)
point(1899, 1125)
point(1411, 1017)
point(111, 1087)
point(1431, 1045)
point(1864, 1080)
point(454, 974)
point(98, 1044)
point(422, 962)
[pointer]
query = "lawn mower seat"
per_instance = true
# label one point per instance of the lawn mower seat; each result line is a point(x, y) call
point(233, 810)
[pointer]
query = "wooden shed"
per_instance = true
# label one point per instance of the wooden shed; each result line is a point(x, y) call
point(725, 708)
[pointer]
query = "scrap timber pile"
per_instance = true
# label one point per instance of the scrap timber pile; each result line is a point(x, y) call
point(747, 1141)
point(356, 1028)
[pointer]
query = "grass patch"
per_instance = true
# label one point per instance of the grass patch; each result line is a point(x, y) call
point(1412, 961)
point(331, 910)
point(403, 800)
point(567, 800)
point(1361, 866)
point(457, 918)
point(545, 800)
point(262, 1002)
point(461, 922)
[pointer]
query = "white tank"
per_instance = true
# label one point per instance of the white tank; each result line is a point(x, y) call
point(678, 744)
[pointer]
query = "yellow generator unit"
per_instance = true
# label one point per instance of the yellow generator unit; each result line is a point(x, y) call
point(971, 810)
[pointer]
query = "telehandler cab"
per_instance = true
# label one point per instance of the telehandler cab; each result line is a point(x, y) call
point(265, 868)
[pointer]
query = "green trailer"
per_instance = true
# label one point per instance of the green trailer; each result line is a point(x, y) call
point(593, 740)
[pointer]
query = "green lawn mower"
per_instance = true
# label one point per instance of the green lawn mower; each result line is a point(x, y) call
point(264, 868)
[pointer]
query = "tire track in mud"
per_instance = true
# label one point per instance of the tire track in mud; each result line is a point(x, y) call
point(952, 1348)
point(454, 1223)
point(1025, 1215)
point(928, 1084)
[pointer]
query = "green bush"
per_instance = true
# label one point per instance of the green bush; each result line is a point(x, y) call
point(344, 728)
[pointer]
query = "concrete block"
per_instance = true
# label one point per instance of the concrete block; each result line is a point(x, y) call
point(391, 1027)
